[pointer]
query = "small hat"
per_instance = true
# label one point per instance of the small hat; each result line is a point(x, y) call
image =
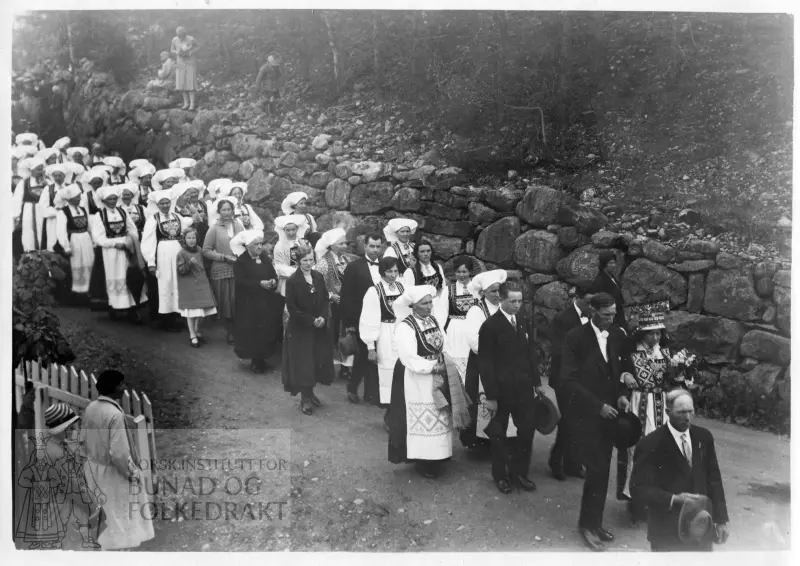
point(651, 321)
point(58, 417)
point(695, 523)
point(629, 430)
point(546, 414)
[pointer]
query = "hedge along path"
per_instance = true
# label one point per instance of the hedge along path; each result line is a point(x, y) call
point(61, 384)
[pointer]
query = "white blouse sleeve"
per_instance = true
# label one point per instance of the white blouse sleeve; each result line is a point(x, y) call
point(61, 231)
point(442, 303)
point(47, 207)
point(405, 340)
point(255, 220)
point(474, 321)
point(390, 252)
point(186, 222)
point(408, 278)
point(149, 241)
point(99, 233)
point(17, 200)
point(369, 325)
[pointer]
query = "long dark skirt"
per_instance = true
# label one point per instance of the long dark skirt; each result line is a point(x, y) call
point(398, 427)
point(307, 357)
point(98, 295)
point(16, 246)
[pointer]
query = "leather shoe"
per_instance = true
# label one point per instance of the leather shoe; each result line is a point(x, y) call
point(604, 535)
point(504, 486)
point(526, 484)
point(353, 398)
point(591, 540)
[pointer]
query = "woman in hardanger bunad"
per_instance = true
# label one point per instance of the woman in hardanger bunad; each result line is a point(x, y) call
point(26, 210)
point(78, 156)
point(118, 170)
point(161, 243)
point(297, 203)
point(427, 399)
point(187, 164)
point(91, 182)
point(398, 234)
point(244, 213)
point(485, 288)
point(332, 259)
point(29, 139)
point(57, 175)
point(291, 234)
point(49, 156)
point(460, 301)
point(74, 236)
point(129, 195)
point(114, 232)
point(62, 145)
point(212, 192)
point(428, 271)
point(377, 324)
point(163, 180)
point(142, 176)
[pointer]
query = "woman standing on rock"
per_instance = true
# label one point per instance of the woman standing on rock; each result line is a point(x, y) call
point(194, 293)
point(291, 230)
point(142, 175)
point(606, 282)
point(161, 242)
point(307, 348)
point(244, 212)
point(376, 327)
point(217, 249)
point(72, 229)
point(187, 164)
point(297, 203)
point(398, 234)
point(460, 301)
point(114, 232)
point(427, 271)
point(332, 258)
point(184, 47)
point(258, 305)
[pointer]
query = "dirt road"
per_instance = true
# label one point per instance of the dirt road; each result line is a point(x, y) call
point(345, 494)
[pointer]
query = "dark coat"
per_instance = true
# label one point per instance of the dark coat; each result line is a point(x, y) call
point(660, 471)
point(307, 351)
point(356, 280)
point(562, 323)
point(590, 381)
point(507, 359)
point(258, 310)
point(604, 283)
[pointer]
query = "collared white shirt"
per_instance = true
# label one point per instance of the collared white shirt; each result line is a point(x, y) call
point(512, 320)
point(461, 289)
point(678, 436)
point(602, 340)
point(373, 270)
point(583, 318)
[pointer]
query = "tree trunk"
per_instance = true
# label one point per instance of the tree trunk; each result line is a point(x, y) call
point(337, 56)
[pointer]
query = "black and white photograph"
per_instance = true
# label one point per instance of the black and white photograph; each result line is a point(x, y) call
point(410, 278)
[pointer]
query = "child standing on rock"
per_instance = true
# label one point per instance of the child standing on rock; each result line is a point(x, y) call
point(195, 299)
point(269, 81)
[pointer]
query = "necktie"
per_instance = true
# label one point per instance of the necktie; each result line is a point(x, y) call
point(514, 322)
point(686, 450)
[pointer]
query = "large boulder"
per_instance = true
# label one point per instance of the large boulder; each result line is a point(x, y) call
point(337, 194)
point(320, 179)
point(658, 252)
point(763, 378)
point(569, 238)
point(713, 338)
point(496, 241)
point(371, 198)
point(482, 214)
point(444, 246)
point(553, 296)
point(767, 347)
point(582, 265)
point(646, 281)
point(406, 199)
point(697, 290)
point(732, 294)
point(504, 199)
point(279, 188)
point(692, 266)
point(539, 205)
point(246, 146)
point(606, 239)
point(586, 220)
point(449, 199)
point(442, 211)
point(258, 187)
point(783, 302)
point(457, 228)
point(537, 250)
point(369, 170)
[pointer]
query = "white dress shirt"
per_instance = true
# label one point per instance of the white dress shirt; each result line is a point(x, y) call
point(678, 436)
point(373, 270)
point(583, 318)
point(512, 320)
point(602, 340)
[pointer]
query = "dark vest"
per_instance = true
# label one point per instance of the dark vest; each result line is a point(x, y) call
point(387, 302)
point(436, 280)
point(31, 194)
point(76, 224)
point(429, 342)
point(166, 230)
point(402, 263)
point(460, 304)
point(117, 228)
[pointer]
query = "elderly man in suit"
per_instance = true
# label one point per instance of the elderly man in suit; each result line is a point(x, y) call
point(358, 277)
point(676, 463)
point(594, 364)
point(562, 461)
point(510, 377)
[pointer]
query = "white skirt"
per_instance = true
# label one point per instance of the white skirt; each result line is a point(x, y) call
point(167, 275)
point(32, 230)
point(81, 261)
point(649, 424)
point(456, 345)
point(387, 358)
point(198, 313)
point(429, 431)
point(115, 263)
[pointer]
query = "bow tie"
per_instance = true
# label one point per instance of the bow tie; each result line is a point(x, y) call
point(584, 320)
point(604, 333)
point(369, 261)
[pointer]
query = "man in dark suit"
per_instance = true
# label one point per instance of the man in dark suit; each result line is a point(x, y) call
point(606, 282)
point(562, 462)
point(510, 377)
point(594, 358)
point(358, 277)
point(674, 463)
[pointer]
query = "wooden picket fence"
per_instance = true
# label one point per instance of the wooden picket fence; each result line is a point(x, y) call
point(57, 383)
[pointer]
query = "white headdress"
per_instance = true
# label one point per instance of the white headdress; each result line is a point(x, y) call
point(298, 220)
point(485, 280)
point(140, 171)
point(65, 194)
point(61, 144)
point(164, 174)
point(411, 296)
point(183, 163)
point(215, 187)
point(26, 139)
point(327, 240)
point(395, 225)
point(243, 239)
point(291, 200)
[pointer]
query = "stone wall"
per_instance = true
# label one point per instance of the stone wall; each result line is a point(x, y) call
point(733, 313)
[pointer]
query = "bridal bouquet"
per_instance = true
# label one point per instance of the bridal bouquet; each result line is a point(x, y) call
point(684, 367)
